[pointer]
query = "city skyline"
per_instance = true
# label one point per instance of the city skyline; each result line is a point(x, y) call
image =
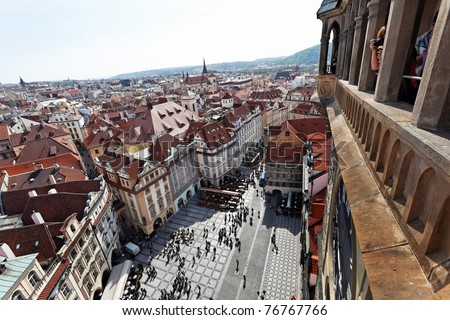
point(50, 40)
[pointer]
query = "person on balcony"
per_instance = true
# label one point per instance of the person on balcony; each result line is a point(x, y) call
point(376, 45)
point(422, 45)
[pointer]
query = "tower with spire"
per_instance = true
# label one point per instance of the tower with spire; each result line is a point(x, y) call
point(205, 71)
point(22, 83)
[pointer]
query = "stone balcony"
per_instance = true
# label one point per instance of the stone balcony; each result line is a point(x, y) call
point(397, 178)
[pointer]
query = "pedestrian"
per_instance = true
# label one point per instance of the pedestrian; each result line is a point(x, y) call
point(237, 265)
point(245, 281)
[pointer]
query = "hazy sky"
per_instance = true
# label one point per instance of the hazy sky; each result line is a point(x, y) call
point(81, 39)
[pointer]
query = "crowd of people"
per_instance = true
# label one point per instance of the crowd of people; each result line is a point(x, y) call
point(227, 232)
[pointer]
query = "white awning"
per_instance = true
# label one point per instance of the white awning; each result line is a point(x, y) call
point(116, 282)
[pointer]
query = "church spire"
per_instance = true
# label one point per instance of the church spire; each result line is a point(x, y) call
point(22, 83)
point(204, 67)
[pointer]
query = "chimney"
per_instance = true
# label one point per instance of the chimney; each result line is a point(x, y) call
point(5, 251)
point(52, 179)
point(37, 218)
point(32, 193)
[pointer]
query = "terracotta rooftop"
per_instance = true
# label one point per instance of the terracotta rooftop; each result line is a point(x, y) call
point(44, 148)
point(64, 160)
point(4, 133)
point(30, 239)
point(38, 132)
point(15, 202)
point(43, 177)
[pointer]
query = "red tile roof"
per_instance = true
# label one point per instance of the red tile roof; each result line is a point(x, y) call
point(55, 207)
point(214, 134)
point(64, 160)
point(303, 108)
point(163, 146)
point(4, 133)
point(52, 282)
point(44, 148)
point(35, 238)
point(42, 177)
point(15, 202)
point(197, 80)
point(38, 132)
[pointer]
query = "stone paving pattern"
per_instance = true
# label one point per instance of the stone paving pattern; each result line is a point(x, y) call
point(277, 274)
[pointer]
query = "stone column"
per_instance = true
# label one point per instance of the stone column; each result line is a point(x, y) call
point(432, 107)
point(341, 53)
point(358, 43)
point(323, 49)
point(399, 33)
point(350, 18)
point(378, 11)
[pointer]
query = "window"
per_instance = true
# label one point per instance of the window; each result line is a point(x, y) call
point(17, 295)
point(80, 268)
point(65, 291)
point(33, 278)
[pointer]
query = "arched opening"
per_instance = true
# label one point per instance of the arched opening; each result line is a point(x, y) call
point(116, 258)
point(105, 277)
point(365, 127)
point(382, 153)
point(188, 194)
point(358, 116)
point(400, 193)
point(369, 135)
point(169, 213)
point(18, 295)
point(97, 294)
point(393, 160)
point(361, 121)
point(33, 278)
point(277, 195)
point(158, 223)
point(180, 203)
point(419, 212)
point(438, 249)
point(195, 188)
point(376, 141)
point(333, 43)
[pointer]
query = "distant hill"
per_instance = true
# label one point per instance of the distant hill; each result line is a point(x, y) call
point(306, 57)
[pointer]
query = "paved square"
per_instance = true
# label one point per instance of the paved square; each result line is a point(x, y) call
point(276, 273)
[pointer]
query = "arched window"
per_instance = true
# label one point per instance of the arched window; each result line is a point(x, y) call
point(18, 295)
point(33, 278)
